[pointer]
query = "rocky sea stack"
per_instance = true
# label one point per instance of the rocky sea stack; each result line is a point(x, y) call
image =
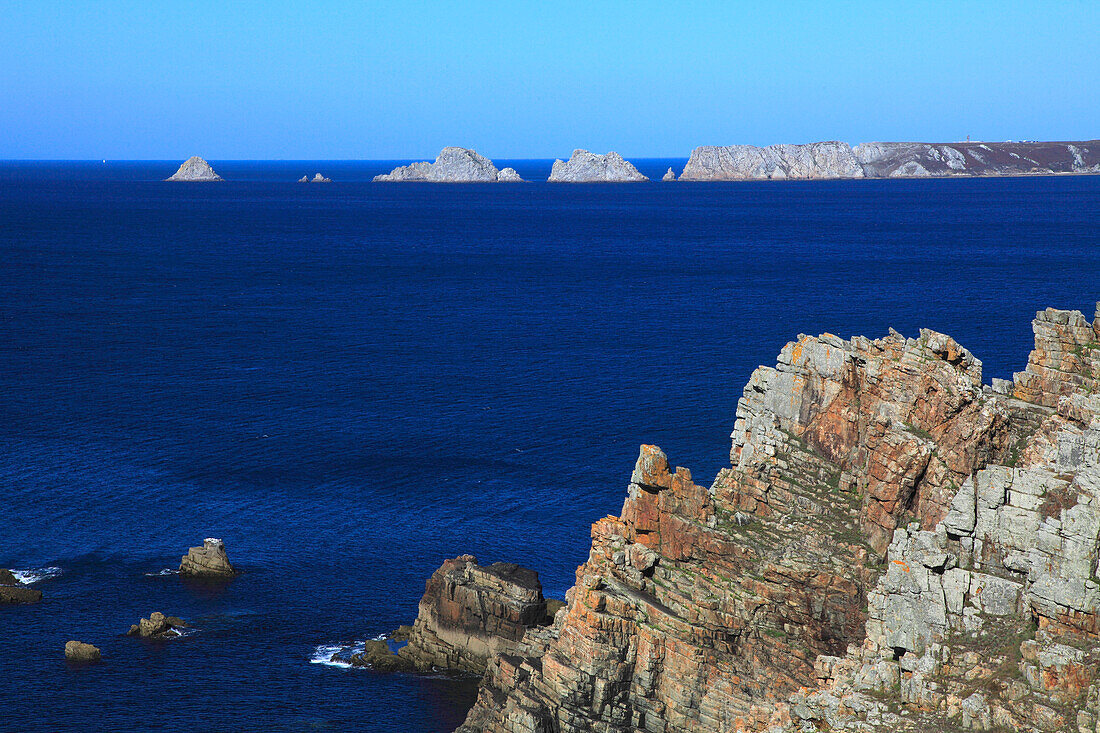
point(195, 169)
point(453, 165)
point(894, 547)
point(586, 167)
point(208, 561)
point(890, 160)
point(12, 591)
point(317, 178)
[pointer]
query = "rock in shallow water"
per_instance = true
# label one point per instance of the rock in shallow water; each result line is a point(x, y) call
point(12, 591)
point(208, 561)
point(157, 626)
point(78, 651)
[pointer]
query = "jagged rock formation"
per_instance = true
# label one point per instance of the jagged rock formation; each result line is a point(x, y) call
point(12, 591)
point(670, 175)
point(889, 160)
point(895, 547)
point(317, 178)
point(208, 561)
point(78, 651)
point(195, 169)
point(470, 613)
point(586, 167)
point(158, 626)
point(453, 165)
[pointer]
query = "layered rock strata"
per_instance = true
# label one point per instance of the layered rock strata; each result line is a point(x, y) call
point(470, 613)
point(894, 547)
point(195, 169)
point(890, 160)
point(12, 591)
point(208, 561)
point(586, 167)
point(453, 165)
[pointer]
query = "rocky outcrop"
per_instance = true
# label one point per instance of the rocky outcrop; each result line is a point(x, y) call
point(889, 160)
point(453, 165)
point(208, 561)
point(670, 175)
point(469, 613)
point(894, 547)
point(195, 169)
point(741, 162)
point(79, 652)
point(586, 167)
point(12, 591)
point(317, 178)
point(1066, 358)
point(158, 626)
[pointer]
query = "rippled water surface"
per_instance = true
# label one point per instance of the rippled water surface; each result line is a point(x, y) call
point(351, 382)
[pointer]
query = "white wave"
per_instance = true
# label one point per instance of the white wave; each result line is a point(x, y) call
point(336, 655)
point(36, 574)
point(166, 571)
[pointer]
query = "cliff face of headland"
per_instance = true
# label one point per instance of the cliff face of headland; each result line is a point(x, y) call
point(452, 165)
point(894, 547)
point(890, 160)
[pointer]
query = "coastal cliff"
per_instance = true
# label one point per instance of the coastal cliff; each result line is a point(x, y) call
point(894, 547)
point(452, 165)
point(890, 160)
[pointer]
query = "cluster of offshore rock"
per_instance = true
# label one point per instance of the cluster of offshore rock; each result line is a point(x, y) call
point(469, 614)
point(894, 547)
point(890, 160)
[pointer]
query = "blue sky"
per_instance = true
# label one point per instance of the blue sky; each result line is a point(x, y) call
point(380, 80)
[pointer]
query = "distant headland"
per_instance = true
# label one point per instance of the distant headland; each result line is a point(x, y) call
point(809, 161)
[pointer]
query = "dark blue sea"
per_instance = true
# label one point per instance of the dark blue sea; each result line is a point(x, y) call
point(351, 382)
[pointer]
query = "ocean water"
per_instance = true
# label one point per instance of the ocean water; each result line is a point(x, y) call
point(351, 382)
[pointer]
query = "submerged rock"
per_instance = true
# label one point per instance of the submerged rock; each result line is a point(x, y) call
point(586, 167)
point(78, 651)
point(453, 165)
point(208, 561)
point(195, 169)
point(670, 175)
point(470, 613)
point(12, 591)
point(158, 626)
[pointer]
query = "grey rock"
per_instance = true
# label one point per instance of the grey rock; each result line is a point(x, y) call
point(670, 175)
point(453, 165)
point(745, 162)
point(195, 169)
point(509, 175)
point(586, 167)
point(318, 178)
point(77, 651)
point(210, 560)
point(890, 160)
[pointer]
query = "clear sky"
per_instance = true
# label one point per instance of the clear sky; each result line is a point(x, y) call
point(234, 79)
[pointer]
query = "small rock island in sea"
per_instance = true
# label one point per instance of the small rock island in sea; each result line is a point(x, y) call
point(318, 178)
point(195, 169)
point(453, 165)
point(208, 561)
point(586, 167)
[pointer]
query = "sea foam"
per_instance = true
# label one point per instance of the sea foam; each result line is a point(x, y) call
point(35, 575)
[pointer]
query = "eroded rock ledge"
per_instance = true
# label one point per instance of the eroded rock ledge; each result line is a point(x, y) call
point(894, 547)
